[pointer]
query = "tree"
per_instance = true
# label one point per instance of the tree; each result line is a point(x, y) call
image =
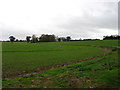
point(68, 38)
point(63, 39)
point(112, 37)
point(28, 38)
point(34, 40)
point(37, 39)
point(80, 39)
point(12, 38)
point(17, 40)
point(59, 39)
point(47, 38)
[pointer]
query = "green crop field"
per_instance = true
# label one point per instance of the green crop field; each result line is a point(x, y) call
point(24, 58)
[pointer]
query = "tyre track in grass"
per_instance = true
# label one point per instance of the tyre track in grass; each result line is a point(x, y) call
point(107, 50)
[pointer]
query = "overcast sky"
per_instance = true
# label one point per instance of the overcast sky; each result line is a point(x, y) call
point(75, 18)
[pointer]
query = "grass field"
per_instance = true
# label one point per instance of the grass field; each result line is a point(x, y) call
point(22, 57)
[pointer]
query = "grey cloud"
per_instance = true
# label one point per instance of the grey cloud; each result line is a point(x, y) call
point(86, 26)
point(19, 34)
point(89, 23)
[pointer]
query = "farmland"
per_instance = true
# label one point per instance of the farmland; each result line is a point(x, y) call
point(26, 58)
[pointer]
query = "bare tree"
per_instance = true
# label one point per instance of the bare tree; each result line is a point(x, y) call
point(34, 39)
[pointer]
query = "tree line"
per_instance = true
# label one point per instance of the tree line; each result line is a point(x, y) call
point(53, 38)
point(42, 38)
point(111, 37)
